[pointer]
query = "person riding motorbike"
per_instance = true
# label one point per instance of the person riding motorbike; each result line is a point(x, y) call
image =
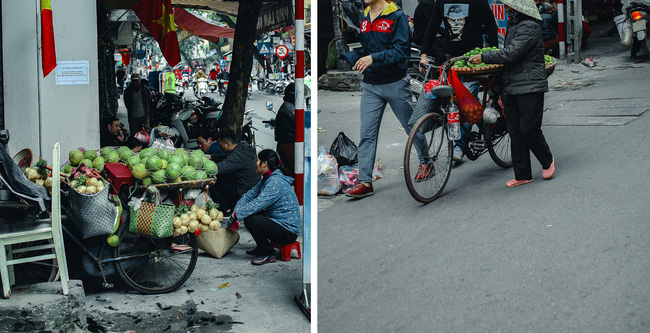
point(223, 77)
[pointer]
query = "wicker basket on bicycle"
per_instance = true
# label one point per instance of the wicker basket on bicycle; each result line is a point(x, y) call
point(488, 69)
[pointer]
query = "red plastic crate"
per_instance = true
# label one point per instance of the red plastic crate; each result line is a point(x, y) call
point(118, 174)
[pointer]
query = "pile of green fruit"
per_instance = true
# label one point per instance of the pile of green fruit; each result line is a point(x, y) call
point(548, 60)
point(150, 166)
point(475, 51)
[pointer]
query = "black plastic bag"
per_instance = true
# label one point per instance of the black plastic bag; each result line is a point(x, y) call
point(344, 150)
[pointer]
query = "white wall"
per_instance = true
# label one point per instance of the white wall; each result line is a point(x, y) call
point(68, 113)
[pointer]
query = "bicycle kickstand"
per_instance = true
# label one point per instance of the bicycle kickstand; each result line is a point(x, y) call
point(101, 269)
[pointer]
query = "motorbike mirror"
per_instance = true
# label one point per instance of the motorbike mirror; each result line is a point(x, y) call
point(269, 105)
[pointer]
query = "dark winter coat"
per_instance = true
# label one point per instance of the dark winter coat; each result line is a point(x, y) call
point(285, 124)
point(523, 56)
point(386, 39)
point(128, 98)
point(239, 165)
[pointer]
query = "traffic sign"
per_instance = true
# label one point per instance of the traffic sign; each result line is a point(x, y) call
point(264, 48)
point(281, 51)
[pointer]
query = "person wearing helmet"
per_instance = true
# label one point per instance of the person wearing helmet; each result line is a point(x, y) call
point(525, 84)
point(285, 129)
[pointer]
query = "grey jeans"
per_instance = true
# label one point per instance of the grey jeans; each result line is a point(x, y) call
point(374, 98)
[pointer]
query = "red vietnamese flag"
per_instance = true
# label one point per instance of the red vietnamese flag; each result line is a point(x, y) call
point(48, 52)
point(158, 17)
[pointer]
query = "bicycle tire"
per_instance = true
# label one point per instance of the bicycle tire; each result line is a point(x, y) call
point(439, 149)
point(498, 144)
point(156, 269)
point(37, 271)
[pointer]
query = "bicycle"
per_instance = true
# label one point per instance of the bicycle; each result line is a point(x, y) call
point(431, 132)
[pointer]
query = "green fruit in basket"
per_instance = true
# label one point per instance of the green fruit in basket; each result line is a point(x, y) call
point(173, 171)
point(133, 160)
point(197, 152)
point(176, 159)
point(87, 162)
point(177, 180)
point(200, 175)
point(75, 157)
point(164, 154)
point(180, 151)
point(154, 163)
point(159, 177)
point(90, 155)
point(125, 154)
point(98, 161)
point(196, 162)
point(164, 164)
point(113, 240)
point(146, 181)
point(210, 168)
point(147, 152)
point(113, 157)
point(139, 171)
point(105, 151)
point(187, 172)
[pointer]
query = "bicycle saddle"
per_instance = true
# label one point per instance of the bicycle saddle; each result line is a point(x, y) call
point(442, 91)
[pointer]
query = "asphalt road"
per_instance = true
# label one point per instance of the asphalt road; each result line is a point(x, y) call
point(568, 254)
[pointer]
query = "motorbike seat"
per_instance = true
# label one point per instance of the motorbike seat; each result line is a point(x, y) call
point(442, 91)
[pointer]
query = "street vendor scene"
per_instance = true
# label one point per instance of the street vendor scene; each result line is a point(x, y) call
point(154, 166)
point(485, 162)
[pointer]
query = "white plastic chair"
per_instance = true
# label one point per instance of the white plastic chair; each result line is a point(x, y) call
point(28, 230)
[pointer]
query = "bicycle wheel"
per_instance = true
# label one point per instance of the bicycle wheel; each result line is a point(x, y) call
point(438, 154)
point(34, 272)
point(150, 266)
point(498, 143)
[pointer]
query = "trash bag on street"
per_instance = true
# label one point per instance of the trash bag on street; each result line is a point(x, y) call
point(349, 176)
point(344, 150)
point(328, 176)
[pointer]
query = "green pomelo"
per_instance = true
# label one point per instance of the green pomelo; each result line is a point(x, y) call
point(147, 152)
point(113, 157)
point(181, 151)
point(139, 171)
point(100, 167)
point(98, 161)
point(210, 168)
point(176, 159)
point(122, 149)
point(173, 170)
point(200, 175)
point(75, 157)
point(196, 162)
point(87, 162)
point(164, 154)
point(90, 155)
point(67, 169)
point(126, 154)
point(133, 160)
point(197, 152)
point(159, 177)
point(164, 164)
point(105, 151)
point(113, 240)
point(187, 172)
point(146, 181)
point(154, 163)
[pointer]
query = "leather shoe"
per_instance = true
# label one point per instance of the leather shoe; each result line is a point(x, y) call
point(264, 260)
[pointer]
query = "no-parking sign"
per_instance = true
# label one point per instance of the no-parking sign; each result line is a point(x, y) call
point(281, 51)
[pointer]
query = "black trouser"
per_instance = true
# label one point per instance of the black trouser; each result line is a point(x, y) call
point(264, 230)
point(524, 120)
point(225, 192)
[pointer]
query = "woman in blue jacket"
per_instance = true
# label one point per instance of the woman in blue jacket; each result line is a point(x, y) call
point(269, 210)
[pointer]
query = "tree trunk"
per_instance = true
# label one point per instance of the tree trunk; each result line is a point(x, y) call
point(242, 62)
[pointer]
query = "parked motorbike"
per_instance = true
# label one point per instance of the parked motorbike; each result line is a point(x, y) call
point(638, 14)
point(201, 89)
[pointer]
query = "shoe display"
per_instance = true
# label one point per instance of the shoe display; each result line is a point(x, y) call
point(425, 172)
point(458, 154)
point(548, 173)
point(515, 182)
point(264, 260)
point(360, 190)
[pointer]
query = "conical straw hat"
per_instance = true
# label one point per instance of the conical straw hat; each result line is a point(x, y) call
point(526, 7)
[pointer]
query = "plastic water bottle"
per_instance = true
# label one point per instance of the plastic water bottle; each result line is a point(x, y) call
point(453, 122)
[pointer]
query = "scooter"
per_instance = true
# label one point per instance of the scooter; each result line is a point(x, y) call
point(186, 80)
point(638, 13)
point(213, 85)
point(223, 86)
point(201, 89)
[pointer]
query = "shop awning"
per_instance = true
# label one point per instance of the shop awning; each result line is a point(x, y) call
point(200, 26)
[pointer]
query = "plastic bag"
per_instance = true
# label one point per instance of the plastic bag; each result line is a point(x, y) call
point(349, 176)
point(376, 170)
point(328, 176)
point(471, 110)
point(344, 150)
point(142, 136)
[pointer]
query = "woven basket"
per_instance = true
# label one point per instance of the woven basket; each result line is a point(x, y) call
point(478, 70)
point(217, 242)
point(94, 214)
point(550, 68)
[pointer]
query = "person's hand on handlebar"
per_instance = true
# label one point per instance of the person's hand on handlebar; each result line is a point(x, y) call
point(424, 61)
point(477, 59)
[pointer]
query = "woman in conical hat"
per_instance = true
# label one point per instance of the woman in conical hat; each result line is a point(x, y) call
point(524, 87)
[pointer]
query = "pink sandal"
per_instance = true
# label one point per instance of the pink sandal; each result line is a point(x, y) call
point(516, 182)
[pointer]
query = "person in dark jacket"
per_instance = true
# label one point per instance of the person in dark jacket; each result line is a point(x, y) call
point(421, 18)
point(270, 210)
point(136, 100)
point(285, 129)
point(383, 60)
point(112, 135)
point(236, 170)
point(525, 84)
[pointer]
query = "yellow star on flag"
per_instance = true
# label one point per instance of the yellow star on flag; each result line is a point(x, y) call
point(167, 21)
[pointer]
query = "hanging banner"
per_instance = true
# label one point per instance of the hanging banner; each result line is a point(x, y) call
point(500, 15)
point(275, 17)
